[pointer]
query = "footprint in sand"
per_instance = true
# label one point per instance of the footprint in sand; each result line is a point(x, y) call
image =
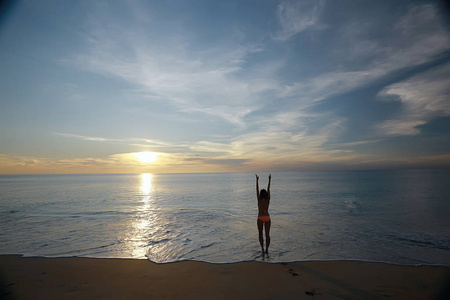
point(294, 273)
point(312, 293)
point(291, 271)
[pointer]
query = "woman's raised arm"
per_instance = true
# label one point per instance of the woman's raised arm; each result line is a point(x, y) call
point(257, 187)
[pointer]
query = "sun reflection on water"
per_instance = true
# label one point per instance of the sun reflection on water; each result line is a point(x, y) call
point(144, 223)
point(146, 186)
point(150, 233)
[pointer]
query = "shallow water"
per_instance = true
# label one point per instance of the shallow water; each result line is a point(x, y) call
point(398, 216)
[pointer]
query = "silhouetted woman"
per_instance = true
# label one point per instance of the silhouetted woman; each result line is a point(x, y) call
point(263, 214)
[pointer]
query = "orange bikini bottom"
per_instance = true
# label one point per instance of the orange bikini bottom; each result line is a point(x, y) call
point(264, 218)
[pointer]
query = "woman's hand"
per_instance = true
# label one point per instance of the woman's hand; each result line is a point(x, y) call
point(257, 177)
point(270, 176)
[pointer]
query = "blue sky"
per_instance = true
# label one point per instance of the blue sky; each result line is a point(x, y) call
point(213, 86)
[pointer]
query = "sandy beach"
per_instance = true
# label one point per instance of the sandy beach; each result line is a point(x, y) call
point(93, 278)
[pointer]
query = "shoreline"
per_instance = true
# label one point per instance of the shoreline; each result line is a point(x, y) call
point(239, 261)
point(119, 278)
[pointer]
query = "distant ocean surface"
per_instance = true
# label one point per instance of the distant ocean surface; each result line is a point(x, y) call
point(397, 216)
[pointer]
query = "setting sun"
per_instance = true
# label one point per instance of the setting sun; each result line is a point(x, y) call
point(146, 157)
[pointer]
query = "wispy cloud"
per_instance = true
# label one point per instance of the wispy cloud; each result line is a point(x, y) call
point(170, 71)
point(297, 16)
point(423, 97)
point(353, 144)
point(208, 81)
point(266, 144)
point(436, 161)
point(88, 138)
point(150, 144)
point(416, 38)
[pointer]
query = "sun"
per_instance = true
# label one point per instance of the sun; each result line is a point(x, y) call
point(146, 157)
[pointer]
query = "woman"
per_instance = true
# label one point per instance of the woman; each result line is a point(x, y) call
point(263, 214)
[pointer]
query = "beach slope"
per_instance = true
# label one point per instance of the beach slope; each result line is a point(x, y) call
point(93, 278)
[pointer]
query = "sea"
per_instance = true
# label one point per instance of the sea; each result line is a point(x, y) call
point(395, 216)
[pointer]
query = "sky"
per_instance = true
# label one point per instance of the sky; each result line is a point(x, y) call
point(223, 86)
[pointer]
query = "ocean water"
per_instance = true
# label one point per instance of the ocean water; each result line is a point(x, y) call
point(397, 216)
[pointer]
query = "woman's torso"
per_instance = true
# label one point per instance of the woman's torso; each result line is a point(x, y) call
point(263, 207)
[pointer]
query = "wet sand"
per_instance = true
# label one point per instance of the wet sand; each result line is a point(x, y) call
point(93, 278)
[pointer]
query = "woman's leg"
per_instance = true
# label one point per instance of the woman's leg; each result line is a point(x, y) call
point(260, 231)
point(267, 230)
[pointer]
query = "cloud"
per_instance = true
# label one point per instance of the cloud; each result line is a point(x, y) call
point(218, 161)
point(170, 70)
point(416, 38)
point(328, 84)
point(423, 97)
point(354, 144)
point(276, 143)
point(210, 81)
point(399, 127)
point(150, 144)
point(88, 138)
point(297, 16)
point(114, 163)
point(433, 161)
point(215, 80)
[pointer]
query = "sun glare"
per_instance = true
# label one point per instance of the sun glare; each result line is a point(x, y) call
point(146, 157)
point(146, 185)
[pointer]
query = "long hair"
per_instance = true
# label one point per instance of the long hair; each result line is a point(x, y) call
point(263, 194)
